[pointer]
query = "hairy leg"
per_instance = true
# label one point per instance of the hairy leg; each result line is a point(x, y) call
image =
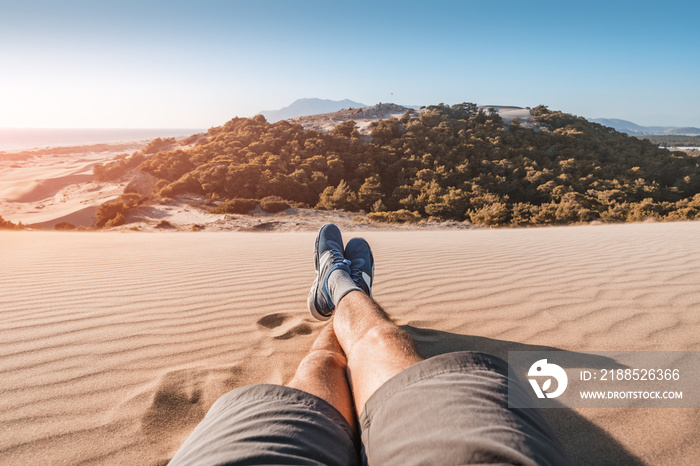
point(376, 349)
point(323, 374)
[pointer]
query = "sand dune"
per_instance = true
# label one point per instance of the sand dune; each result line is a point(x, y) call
point(114, 345)
point(56, 185)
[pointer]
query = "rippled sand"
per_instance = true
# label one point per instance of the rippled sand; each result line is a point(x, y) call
point(114, 345)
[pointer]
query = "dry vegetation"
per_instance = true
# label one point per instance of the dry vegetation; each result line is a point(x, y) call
point(8, 225)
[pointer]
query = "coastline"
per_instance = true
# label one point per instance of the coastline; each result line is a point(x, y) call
point(29, 139)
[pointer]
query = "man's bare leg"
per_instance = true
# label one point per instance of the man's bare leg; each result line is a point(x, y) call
point(323, 374)
point(376, 349)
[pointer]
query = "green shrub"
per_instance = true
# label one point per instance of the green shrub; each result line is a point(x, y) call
point(379, 206)
point(522, 214)
point(440, 209)
point(159, 145)
point(8, 225)
point(191, 139)
point(162, 189)
point(64, 226)
point(545, 214)
point(109, 211)
point(615, 213)
point(492, 214)
point(397, 216)
point(187, 183)
point(113, 213)
point(131, 200)
point(118, 167)
point(340, 197)
point(684, 213)
point(164, 224)
point(118, 219)
point(236, 206)
point(645, 210)
point(273, 204)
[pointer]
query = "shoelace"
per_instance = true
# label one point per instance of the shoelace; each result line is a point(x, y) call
point(356, 274)
point(338, 257)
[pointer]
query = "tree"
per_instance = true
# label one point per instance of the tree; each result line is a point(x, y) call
point(340, 197)
point(370, 192)
point(347, 129)
point(492, 214)
point(385, 130)
point(450, 161)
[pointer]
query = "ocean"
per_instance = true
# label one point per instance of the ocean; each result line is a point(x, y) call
point(39, 138)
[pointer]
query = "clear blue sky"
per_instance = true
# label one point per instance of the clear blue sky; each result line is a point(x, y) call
point(199, 63)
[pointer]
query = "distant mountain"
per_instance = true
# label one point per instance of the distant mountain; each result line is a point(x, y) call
point(634, 129)
point(305, 107)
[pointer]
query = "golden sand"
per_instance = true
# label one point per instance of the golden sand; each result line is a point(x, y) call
point(114, 345)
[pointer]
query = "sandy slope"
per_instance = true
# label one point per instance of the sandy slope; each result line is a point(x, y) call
point(113, 346)
point(52, 187)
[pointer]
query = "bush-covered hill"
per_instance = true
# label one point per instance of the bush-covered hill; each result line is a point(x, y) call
point(453, 162)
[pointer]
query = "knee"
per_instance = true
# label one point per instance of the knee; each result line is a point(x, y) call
point(324, 359)
point(318, 371)
point(386, 336)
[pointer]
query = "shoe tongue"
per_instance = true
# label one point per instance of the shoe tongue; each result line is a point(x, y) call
point(359, 262)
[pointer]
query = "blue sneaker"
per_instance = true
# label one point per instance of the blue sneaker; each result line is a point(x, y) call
point(358, 252)
point(328, 257)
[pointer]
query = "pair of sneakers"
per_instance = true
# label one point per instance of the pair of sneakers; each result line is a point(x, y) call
point(355, 259)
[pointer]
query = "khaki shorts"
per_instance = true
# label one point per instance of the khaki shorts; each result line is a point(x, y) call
point(449, 409)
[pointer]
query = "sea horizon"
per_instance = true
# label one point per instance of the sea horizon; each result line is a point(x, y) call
point(13, 139)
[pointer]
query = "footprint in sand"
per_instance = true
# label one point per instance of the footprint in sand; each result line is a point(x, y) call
point(181, 399)
point(283, 326)
point(176, 402)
